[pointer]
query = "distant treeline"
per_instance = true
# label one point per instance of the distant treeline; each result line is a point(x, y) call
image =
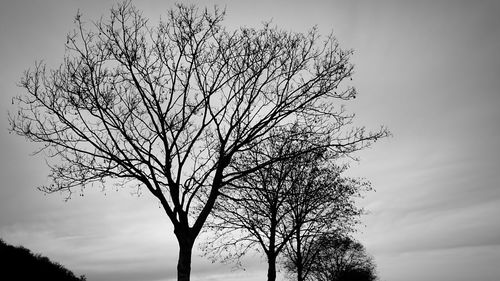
point(19, 263)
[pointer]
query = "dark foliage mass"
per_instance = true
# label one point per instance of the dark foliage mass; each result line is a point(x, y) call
point(336, 258)
point(19, 263)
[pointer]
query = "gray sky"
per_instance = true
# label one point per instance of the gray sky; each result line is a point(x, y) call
point(429, 70)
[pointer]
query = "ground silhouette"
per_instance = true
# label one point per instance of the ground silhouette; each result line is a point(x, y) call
point(19, 263)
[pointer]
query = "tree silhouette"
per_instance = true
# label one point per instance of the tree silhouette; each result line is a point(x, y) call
point(168, 107)
point(281, 206)
point(335, 258)
point(323, 205)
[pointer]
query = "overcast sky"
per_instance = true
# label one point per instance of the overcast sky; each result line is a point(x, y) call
point(428, 70)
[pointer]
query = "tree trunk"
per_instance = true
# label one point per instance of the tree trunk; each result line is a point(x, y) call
point(300, 266)
point(300, 262)
point(187, 235)
point(184, 261)
point(271, 269)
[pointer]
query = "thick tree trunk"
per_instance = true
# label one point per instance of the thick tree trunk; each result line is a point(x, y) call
point(184, 261)
point(271, 269)
point(186, 235)
point(300, 267)
point(300, 263)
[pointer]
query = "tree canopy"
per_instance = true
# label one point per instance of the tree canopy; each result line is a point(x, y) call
point(339, 258)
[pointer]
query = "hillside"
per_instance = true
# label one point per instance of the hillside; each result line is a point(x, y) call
point(19, 263)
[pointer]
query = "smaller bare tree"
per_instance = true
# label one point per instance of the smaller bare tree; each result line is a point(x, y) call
point(322, 203)
point(335, 258)
point(285, 201)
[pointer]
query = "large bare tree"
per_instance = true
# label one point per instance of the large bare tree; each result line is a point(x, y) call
point(168, 106)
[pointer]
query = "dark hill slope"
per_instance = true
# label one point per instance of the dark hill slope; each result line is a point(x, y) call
point(19, 263)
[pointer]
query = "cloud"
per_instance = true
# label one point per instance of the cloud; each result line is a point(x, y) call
point(454, 264)
point(475, 226)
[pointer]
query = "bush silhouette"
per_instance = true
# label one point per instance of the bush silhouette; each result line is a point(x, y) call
point(336, 258)
point(19, 263)
point(357, 274)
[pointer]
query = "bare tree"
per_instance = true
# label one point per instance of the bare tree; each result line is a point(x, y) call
point(338, 258)
point(280, 206)
point(168, 107)
point(322, 204)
